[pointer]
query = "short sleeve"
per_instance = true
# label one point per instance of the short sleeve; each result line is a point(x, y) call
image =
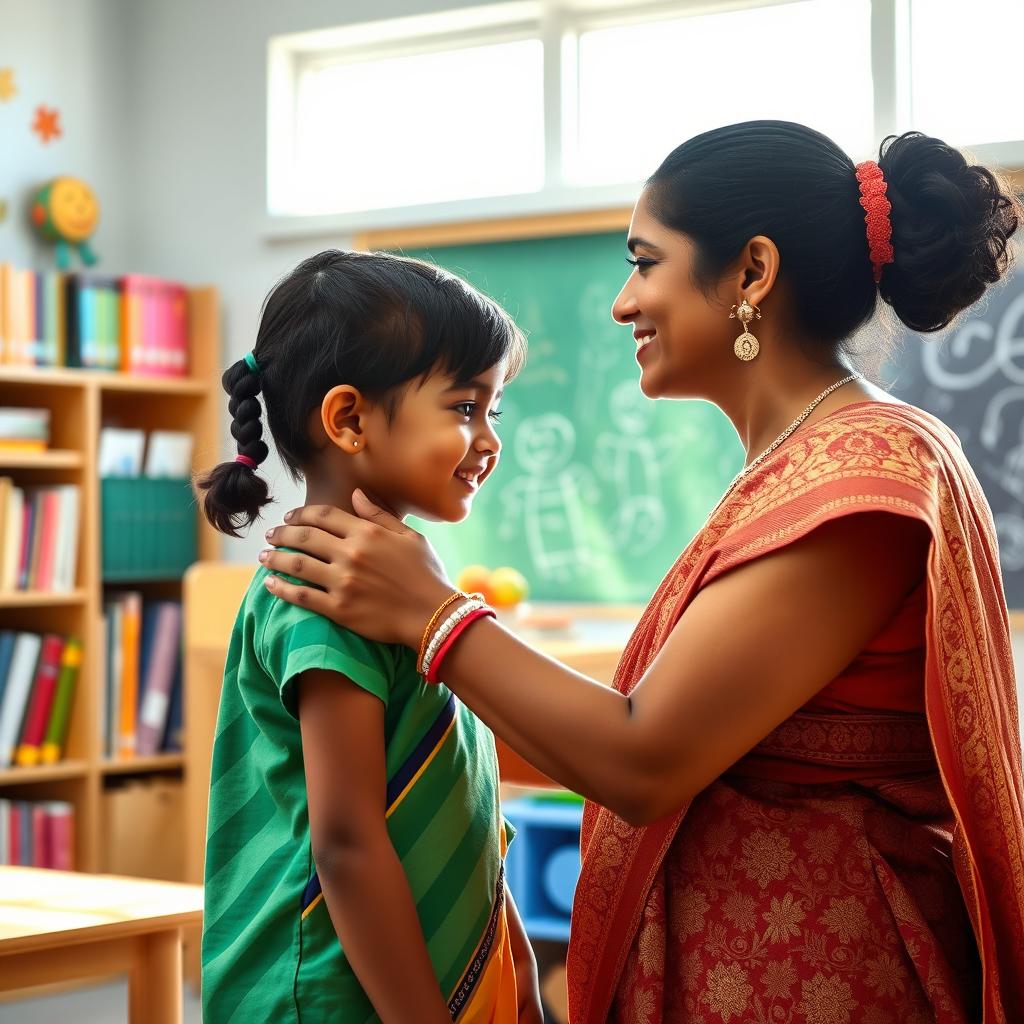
point(296, 640)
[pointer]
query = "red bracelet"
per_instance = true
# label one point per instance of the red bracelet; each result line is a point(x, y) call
point(472, 617)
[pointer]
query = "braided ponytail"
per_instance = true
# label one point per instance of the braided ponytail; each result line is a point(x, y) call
point(234, 493)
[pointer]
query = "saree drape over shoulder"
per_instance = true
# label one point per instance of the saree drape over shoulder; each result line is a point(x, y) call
point(864, 862)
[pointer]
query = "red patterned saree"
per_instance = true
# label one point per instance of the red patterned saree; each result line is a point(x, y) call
point(865, 861)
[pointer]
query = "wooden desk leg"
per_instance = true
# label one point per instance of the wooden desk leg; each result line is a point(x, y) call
point(154, 985)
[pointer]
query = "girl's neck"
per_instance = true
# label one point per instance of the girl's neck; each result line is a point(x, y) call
point(336, 492)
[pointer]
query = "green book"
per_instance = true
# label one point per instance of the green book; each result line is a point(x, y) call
point(60, 716)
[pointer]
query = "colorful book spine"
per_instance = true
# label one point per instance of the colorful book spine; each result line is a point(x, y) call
point(40, 706)
point(60, 717)
point(131, 628)
point(159, 678)
point(17, 691)
point(60, 818)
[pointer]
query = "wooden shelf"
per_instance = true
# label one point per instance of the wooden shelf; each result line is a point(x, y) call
point(81, 404)
point(44, 773)
point(55, 458)
point(40, 598)
point(106, 381)
point(138, 765)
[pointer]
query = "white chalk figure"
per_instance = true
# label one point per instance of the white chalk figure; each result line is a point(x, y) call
point(604, 351)
point(956, 367)
point(1010, 533)
point(1010, 474)
point(633, 460)
point(553, 501)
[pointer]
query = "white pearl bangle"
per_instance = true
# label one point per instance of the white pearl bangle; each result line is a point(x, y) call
point(444, 630)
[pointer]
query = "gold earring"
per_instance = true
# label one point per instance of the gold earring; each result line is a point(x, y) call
point(746, 345)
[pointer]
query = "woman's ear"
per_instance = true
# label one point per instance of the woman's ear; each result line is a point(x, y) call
point(758, 269)
point(342, 412)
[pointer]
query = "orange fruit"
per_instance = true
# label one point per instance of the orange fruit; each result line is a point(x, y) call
point(475, 579)
point(508, 587)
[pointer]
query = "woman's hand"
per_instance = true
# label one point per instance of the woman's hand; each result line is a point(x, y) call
point(376, 576)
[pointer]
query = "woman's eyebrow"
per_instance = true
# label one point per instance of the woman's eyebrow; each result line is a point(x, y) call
point(635, 241)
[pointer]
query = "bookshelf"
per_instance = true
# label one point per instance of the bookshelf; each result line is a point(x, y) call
point(80, 403)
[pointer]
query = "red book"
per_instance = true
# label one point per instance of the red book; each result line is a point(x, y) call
point(40, 847)
point(60, 821)
point(14, 834)
point(49, 522)
point(40, 702)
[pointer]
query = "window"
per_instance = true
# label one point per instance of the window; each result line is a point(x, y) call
point(421, 128)
point(965, 76)
point(645, 88)
point(530, 106)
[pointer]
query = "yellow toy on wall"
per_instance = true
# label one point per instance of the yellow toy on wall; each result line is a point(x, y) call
point(66, 211)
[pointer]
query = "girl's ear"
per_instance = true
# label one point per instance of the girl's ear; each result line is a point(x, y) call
point(342, 412)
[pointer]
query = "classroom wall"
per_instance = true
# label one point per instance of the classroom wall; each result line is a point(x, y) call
point(198, 73)
point(68, 55)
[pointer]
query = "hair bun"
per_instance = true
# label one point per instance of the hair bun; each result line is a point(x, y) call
point(951, 225)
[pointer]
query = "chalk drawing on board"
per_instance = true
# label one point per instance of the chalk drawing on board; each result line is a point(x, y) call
point(600, 354)
point(549, 502)
point(632, 462)
point(951, 366)
point(1010, 532)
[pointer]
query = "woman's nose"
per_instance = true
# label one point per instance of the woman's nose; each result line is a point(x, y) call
point(625, 308)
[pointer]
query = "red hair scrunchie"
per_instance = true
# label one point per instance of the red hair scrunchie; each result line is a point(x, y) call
point(876, 215)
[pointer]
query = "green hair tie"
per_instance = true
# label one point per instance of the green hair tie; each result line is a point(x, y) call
point(250, 361)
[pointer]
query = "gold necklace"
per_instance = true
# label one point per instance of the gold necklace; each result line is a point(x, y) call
point(812, 405)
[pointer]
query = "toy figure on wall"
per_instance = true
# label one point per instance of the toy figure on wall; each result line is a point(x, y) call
point(66, 211)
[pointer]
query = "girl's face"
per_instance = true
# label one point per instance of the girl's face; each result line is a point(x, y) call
point(683, 339)
point(439, 448)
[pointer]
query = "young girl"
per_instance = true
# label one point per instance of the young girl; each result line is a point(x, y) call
point(355, 846)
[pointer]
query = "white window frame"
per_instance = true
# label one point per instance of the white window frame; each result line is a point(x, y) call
point(558, 24)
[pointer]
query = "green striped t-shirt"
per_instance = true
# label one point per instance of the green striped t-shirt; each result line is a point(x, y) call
point(270, 951)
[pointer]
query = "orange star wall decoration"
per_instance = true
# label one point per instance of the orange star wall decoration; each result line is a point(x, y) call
point(7, 86)
point(47, 123)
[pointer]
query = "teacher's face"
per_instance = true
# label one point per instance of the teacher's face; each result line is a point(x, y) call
point(682, 336)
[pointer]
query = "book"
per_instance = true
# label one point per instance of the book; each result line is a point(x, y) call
point(130, 630)
point(14, 846)
point(47, 528)
point(121, 452)
point(168, 454)
point(10, 542)
point(160, 670)
point(65, 571)
point(28, 513)
point(27, 647)
point(5, 831)
point(40, 854)
point(60, 716)
point(6, 653)
point(60, 835)
point(172, 739)
point(40, 704)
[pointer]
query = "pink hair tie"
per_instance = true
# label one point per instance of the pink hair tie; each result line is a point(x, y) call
point(246, 461)
point(876, 215)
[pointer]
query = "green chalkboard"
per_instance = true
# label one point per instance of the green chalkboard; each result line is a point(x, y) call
point(599, 489)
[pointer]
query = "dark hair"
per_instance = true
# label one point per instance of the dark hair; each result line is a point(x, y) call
point(372, 320)
point(951, 221)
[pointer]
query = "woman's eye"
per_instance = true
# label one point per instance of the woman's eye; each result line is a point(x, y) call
point(640, 263)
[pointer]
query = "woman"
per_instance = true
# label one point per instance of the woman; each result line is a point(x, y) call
point(805, 784)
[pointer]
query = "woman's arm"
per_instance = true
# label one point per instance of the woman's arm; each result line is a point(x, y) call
point(752, 648)
point(364, 886)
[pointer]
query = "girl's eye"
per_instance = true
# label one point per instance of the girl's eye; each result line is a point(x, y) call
point(495, 414)
point(465, 409)
point(640, 263)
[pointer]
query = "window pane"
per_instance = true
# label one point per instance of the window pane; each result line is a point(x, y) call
point(644, 89)
point(965, 76)
point(420, 129)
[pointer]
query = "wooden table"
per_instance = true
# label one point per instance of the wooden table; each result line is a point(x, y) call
point(60, 926)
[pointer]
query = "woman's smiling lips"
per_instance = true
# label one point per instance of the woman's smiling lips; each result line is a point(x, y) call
point(643, 338)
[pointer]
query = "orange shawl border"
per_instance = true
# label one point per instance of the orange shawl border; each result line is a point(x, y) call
point(866, 456)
